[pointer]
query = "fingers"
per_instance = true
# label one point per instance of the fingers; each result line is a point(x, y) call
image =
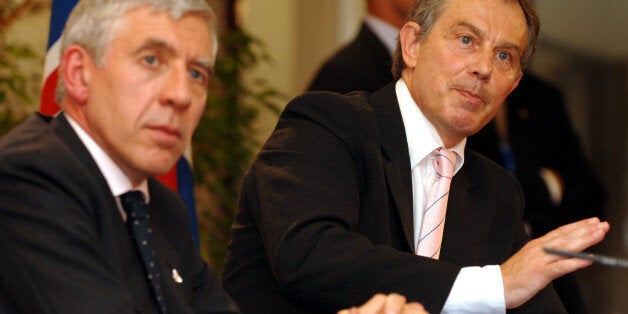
point(576, 236)
point(353, 310)
point(531, 269)
point(576, 225)
point(387, 304)
point(375, 304)
point(573, 237)
point(414, 308)
point(567, 265)
point(395, 303)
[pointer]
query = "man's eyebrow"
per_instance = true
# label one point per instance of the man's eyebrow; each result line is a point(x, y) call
point(155, 43)
point(205, 63)
point(510, 46)
point(481, 34)
point(478, 32)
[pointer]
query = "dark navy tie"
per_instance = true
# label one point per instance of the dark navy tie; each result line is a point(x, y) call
point(139, 226)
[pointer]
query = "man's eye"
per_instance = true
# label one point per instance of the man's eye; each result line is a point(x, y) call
point(465, 40)
point(195, 74)
point(503, 56)
point(150, 60)
point(198, 75)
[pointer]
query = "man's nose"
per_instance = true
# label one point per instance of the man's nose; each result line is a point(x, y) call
point(177, 88)
point(483, 65)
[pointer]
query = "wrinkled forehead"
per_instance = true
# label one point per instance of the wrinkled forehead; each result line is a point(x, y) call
point(500, 18)
point(144, 24)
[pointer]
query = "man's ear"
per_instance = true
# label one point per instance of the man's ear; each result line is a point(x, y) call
point(409, 40)
point(76, 69)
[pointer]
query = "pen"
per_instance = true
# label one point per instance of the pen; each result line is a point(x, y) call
point(605, 260)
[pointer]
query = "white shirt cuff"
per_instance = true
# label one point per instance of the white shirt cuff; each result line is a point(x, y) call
point(477, 290)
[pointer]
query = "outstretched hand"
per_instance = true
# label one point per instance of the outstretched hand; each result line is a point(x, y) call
point(388, 304)
point(531, 269)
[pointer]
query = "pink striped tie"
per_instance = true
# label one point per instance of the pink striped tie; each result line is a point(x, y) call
point(433, 224)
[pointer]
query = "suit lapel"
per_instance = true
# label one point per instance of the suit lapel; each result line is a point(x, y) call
point(395, 153)
point(112, 230)
point(466, 231)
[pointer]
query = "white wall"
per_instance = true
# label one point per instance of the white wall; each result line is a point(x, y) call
point(595, 28)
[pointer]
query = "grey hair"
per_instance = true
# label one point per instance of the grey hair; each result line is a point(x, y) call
point(426, 13)
point(92, 23)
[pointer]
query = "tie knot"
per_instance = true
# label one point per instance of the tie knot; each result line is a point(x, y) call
point(444, 162)
point(134, 205)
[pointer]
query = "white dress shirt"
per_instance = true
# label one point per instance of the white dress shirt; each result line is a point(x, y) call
point(118, 182)
point(476, 289)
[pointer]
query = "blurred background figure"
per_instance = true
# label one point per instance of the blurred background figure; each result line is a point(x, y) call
point(364, 64)
point(533, 138)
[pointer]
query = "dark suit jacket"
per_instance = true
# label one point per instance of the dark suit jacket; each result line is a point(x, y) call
point(542, 136)
point(64, 247)
point(325, 218)
point(364, 64)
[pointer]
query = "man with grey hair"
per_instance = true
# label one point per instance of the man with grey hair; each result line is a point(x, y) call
point(84, 226)
point(375, 192)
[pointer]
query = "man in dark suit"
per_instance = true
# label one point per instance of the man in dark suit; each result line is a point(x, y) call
point(134, 85)
point(332, 208)
point(364, 64)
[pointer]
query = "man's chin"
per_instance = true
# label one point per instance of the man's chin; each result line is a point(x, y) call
point(160, 167)
point(467, 127)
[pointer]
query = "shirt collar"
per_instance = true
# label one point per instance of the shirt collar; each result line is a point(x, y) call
point(386, 33)
point(117, 181)
point(421, 134)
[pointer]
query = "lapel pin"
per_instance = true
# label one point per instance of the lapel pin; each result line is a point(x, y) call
point(176, 277)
